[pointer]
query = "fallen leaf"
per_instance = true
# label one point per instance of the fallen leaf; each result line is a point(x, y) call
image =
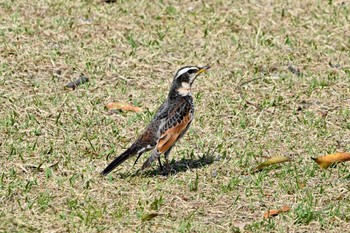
point(122, 106)
point(301, 185)
point(271, 213)
point(273, 160)
point(327, 160)
point(295, 71)
point(148, 217)
point(240, 225)
point(335, 65)
point(77, 82)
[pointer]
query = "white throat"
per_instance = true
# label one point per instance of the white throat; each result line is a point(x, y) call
point(185, 89)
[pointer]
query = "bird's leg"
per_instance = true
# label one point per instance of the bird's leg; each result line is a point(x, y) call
point(160, 165)
point(154, 155)
point(137, 159)
point(167, 165)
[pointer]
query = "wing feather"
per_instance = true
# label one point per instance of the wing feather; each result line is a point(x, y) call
point(178, 120)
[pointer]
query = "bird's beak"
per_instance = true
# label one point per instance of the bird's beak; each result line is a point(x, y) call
point(203, 69)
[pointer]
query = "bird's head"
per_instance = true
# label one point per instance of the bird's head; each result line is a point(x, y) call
point(185, 77)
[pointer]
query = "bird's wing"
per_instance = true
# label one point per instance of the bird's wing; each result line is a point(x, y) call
point(176, 122)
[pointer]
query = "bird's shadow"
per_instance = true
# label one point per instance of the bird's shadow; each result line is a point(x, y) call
point(175, 167)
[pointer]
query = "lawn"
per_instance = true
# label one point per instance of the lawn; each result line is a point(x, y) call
point(279, 86)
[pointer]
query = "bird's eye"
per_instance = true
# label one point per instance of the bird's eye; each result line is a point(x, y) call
point(192, 71)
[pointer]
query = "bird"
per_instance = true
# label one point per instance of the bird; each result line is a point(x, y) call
point(169, 124)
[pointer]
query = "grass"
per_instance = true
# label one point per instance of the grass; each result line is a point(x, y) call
point(250, 106)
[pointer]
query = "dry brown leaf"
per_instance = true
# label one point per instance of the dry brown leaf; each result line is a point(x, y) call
point(301, 185)
point(271, 213)
point(273, 160)
point(81, 80)
point(123, 106)
point(240, 225)
point(327, 160)
point(148, 217)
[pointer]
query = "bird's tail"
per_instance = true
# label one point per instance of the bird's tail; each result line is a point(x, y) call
point(119, 160)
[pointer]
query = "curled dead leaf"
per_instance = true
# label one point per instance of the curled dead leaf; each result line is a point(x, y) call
point(122, 106)
point(81, 80)
point(271, 161)
point(327, 160)
point(148, 217)
point(240, 225)
point(295, 71)
point(271, 213)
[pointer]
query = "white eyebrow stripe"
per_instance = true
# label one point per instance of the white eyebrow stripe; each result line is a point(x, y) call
point(184, 70)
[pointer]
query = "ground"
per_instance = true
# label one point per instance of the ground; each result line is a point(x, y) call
point(279, 85)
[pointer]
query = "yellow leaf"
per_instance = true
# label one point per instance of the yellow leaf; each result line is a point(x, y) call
point(273, 160)
point(122, 106)
point(327, 160)
point(271, 213)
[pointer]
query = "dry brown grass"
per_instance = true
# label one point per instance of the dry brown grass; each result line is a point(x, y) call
point(250, 106)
